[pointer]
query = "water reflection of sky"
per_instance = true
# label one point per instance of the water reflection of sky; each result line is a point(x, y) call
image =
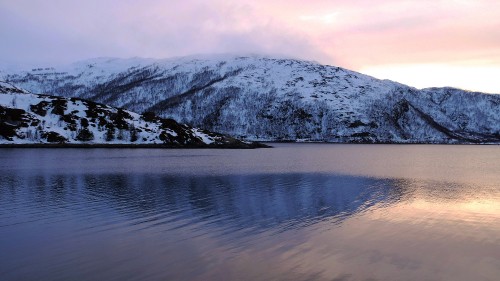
point(58, 224)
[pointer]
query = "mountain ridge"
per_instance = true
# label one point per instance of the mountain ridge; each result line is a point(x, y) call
point(261, 98)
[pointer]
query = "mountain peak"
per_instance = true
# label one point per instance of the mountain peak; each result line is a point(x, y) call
point(264, 98)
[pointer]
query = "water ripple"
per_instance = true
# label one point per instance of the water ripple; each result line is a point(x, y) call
point(115, 225)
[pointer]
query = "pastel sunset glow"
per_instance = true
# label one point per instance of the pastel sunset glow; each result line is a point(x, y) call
point(420, 43)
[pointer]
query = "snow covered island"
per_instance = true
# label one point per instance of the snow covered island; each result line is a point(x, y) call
point(42, 120)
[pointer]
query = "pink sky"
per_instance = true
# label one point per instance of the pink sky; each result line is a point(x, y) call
point(421, 43)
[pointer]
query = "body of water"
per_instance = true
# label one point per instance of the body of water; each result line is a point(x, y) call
point(293, 212)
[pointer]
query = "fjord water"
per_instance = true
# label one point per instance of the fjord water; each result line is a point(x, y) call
point(293, 212)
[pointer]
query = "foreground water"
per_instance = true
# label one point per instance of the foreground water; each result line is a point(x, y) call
point(294, 212)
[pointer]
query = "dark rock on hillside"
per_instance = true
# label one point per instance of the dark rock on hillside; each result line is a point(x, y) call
point(29, 119)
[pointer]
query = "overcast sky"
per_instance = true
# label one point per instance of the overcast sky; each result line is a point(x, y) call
point(418, 42)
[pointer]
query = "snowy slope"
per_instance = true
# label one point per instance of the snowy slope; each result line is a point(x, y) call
point(263, 98)
point(27, 118)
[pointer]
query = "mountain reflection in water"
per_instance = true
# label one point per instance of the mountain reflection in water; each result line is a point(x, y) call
point(233, 202)
point(111, 225)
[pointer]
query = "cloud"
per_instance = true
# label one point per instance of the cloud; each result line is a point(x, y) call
point(353, 34)
point(414, 32)
point(326, 18)
point(69, 30)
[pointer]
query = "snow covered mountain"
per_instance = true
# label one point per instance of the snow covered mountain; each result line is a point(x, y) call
point(259, 98)
point(27, 118)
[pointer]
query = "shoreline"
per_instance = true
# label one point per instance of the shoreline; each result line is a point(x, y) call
point(156, 146)
point(252, 145)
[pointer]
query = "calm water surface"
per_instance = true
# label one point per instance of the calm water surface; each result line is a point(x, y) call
point(294, 212)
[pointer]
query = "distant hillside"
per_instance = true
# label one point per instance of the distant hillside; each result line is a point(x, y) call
point(258, 98)
point(27, 118)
